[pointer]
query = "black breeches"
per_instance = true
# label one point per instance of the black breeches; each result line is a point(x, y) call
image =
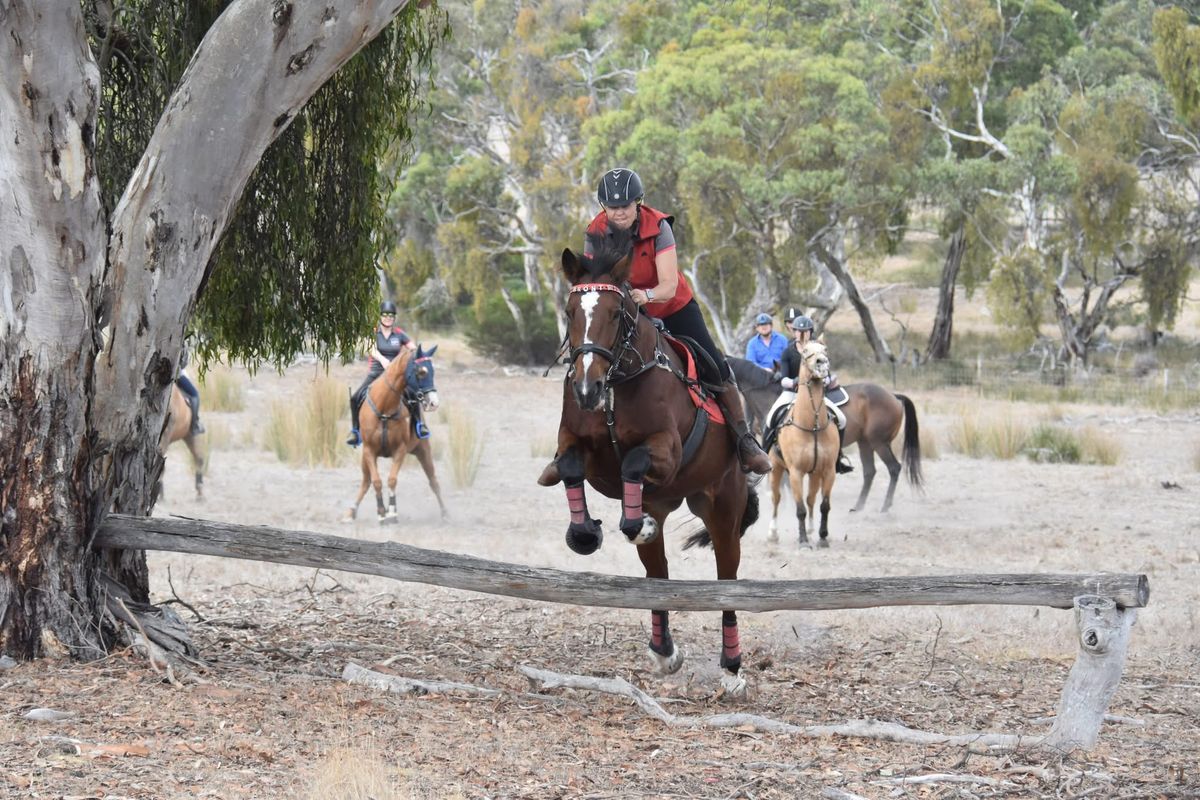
point(688, 321)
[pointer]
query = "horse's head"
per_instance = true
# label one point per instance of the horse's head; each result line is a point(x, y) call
point(816, 360)
point(418, 378)
point(601, 317)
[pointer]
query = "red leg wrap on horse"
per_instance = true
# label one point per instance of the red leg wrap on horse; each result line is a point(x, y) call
point(632, 500)
point(658, 623)
point(576, 503)
point(733, 645)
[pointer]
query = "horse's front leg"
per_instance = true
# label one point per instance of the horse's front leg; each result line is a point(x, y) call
point(797, 481)
point(639, 527)
point(393, 473)
point(777, 470)
point(584, 534)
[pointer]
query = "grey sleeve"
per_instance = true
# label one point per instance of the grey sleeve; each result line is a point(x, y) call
point(666, 237)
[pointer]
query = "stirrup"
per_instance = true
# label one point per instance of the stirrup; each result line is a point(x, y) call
point(354, 439)
point(744, 453)
point(843, 464)
point(421, 429)
point(196, 429)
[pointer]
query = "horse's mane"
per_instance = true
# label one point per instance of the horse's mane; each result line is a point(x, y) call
point(608, 248)
point(750, 375)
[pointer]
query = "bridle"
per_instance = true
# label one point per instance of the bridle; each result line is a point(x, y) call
point(817, 427)
point(624, 342)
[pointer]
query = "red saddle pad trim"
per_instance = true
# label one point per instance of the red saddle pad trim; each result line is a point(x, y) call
point(709, 404)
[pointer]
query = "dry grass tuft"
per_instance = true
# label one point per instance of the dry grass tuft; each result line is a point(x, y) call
point(309, 433)
point(352, 773)
point(221, 390)
point(465, 446)
point(1003, 437)
point(1099, 448)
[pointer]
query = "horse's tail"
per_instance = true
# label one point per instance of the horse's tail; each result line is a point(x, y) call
point(912, 443)
point(701, 538)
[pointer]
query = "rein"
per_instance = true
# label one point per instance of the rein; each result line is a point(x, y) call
point(817, 427)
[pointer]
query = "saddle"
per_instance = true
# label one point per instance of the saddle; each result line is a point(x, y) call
point(776, 422)
point(704, 379)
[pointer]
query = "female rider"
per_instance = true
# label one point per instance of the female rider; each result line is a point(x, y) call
point(388, 341)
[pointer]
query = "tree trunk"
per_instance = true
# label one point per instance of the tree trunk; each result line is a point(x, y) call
point(80, 435)
point(835, 265)
point(51, 264)
point(943, 324)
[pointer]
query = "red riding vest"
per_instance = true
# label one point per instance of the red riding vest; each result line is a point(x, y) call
point(643, 273)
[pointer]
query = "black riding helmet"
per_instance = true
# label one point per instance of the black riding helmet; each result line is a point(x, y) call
point(802, 323)
point(619, 187)
point(387, 307)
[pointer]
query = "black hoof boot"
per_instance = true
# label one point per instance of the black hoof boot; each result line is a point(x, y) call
point(585, 537)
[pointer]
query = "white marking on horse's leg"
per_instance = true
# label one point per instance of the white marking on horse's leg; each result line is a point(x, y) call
point(734, 685)
point(649, 531)
point(773, 532)
point(668, 665)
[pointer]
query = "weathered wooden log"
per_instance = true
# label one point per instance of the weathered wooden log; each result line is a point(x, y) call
point(1103, 642)
point(406, 563)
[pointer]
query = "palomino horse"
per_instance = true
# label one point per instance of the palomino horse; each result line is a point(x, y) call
point(808, 446)
point(637, 428)
point(873, 418)
point(387, 427)
point(179, 428)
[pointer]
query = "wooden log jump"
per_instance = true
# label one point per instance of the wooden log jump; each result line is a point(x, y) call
point(1105, 603)
point(417, 565)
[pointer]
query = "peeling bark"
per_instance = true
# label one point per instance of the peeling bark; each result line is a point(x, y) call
point(79, 436)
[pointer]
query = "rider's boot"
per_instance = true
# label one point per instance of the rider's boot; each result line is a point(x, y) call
point(354, 440)
point(196, 428)
point(750, 455)
point(843, 462)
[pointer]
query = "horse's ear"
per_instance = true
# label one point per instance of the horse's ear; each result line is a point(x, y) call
point(419, 353)
point(821, 338)
point(429, 353)
point(620, 271)
point(572, 269)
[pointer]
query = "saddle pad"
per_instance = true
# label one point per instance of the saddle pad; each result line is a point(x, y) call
point(709, 404)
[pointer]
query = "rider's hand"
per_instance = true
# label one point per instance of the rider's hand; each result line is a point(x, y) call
point(639, 297)
point(776, 376)
point(788, 383)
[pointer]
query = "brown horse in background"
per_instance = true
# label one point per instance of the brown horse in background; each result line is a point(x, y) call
point(179, 429)
point(631, 429)
point(388, 431)
point(808, 447)
point(873, 419)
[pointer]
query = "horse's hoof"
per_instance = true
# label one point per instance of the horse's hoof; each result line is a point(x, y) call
point(640, 531)
point(549, 476)
point(823, 543)
point(734, 685)
point(668, 664)
point(585, 538)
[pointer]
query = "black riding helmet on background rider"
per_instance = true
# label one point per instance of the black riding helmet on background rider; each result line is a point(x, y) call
point(387, 307)
point(801, 323)
point(619, 187)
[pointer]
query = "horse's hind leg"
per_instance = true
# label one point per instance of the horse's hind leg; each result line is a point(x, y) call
point(893, 468)
point(868, 464)
point(198, 461)
point(724, 523)
point(424, 454)
point(397, 462)
point(666, 656)
point(362, 490)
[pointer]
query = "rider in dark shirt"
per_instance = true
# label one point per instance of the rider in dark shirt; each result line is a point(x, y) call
point(389, 341)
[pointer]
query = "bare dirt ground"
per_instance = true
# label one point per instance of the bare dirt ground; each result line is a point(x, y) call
point(274, 719)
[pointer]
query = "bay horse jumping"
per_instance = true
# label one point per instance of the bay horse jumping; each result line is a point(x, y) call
point(808, 447)
point(637, 427)
point(873, 419)
point(179, 429)
point(387, 427)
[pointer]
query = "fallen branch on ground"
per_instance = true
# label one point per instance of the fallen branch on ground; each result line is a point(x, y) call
point(395, 684)
point(861, 728)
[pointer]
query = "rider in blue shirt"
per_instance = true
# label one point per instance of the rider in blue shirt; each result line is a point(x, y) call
point(768, 345)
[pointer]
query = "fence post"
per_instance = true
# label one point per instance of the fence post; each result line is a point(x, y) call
point(1103, 642)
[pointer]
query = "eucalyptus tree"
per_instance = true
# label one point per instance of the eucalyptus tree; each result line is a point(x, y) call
point(769, 154)
point(101, 226)
point(499, 178)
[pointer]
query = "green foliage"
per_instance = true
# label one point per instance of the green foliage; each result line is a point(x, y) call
point(1017, 293)
point(1177, 53)
point(1054, 445)
point(296, 267)
point(495, 333)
